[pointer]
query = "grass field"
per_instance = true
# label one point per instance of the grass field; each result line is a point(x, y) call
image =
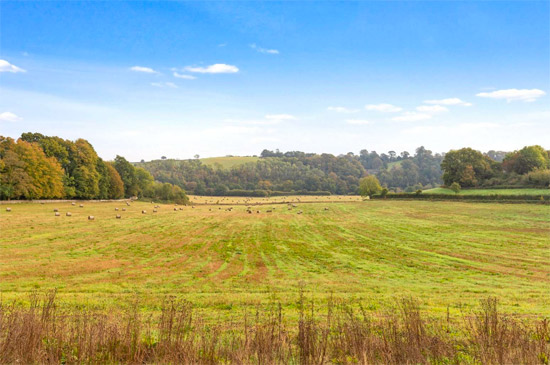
point(228, 161)
point(292, 199)
point(443, 253)
point(490, 191)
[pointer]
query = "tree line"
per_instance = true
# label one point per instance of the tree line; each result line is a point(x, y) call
point(528, 167)
point(43, 167)
point(37, 166)
point(297, 172)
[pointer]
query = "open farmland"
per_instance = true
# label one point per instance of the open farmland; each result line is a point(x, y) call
point(443, 253)
point(544, 192)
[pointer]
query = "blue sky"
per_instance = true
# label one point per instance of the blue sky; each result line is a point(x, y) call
point(146, 79)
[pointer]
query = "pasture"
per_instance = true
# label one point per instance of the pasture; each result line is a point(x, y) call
point(442, 253)
point(489, 191)
point(228, 162)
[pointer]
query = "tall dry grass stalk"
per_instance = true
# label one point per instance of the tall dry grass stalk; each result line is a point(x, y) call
point(342, 332)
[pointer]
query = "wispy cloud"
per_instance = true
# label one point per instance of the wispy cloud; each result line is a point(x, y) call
point(9, 117)
point(384, 108)
point(147, 70)
point(183, 76)
point(357, 121)
point(432, 109)
point(341, 109)
point(448, 101)
point(5, 66)
point(218, 68)
point(165, 84)
point(264, 50)
point(411, 117)
point(527, 95)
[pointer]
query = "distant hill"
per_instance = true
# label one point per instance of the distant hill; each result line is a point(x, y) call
point(228, 162)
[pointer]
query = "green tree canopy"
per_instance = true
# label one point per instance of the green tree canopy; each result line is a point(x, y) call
point(369, 185)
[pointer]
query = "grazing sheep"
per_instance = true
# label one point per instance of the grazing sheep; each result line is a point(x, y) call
point(300, 212)
point(8, 209)
point(128, 204)
point(326, 208)
point(81, 205)
point(57, 214)
point(154, 210)
point(91, 217)
point(257, 211)
point(68, 214)
point(123, 209)
point(175, 209)
point(118, 216)
point(143, 212)
point(116, 209)
point(181, 208)
point(73, 203)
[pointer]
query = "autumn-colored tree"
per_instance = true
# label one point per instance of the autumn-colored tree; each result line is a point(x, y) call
point(110, 184)
point(116, 188)
point(27, 172)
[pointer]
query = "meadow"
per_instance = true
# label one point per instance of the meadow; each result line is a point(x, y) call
point(544, 192)
point(309, 280)
point(224, 259)
point(228, 162)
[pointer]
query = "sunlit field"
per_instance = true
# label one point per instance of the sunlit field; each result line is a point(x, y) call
point(544, 192)
point(226, 258)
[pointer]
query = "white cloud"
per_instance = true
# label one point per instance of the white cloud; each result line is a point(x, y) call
point(341, 109)
point(448, 101)
point(147, 70)
point(385, 108)
point(9, 117)
point(5, 66)
point(183, 76)
point(218, 68)
point(527, 95)
point(357, 121)
point(164, 84)
point(411, 117)
point(432, 109)
point(264, 50)
point(280, 117)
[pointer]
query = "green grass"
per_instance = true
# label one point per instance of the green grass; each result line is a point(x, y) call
point(490, 191)
point(444, 253)
point(228, 161)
